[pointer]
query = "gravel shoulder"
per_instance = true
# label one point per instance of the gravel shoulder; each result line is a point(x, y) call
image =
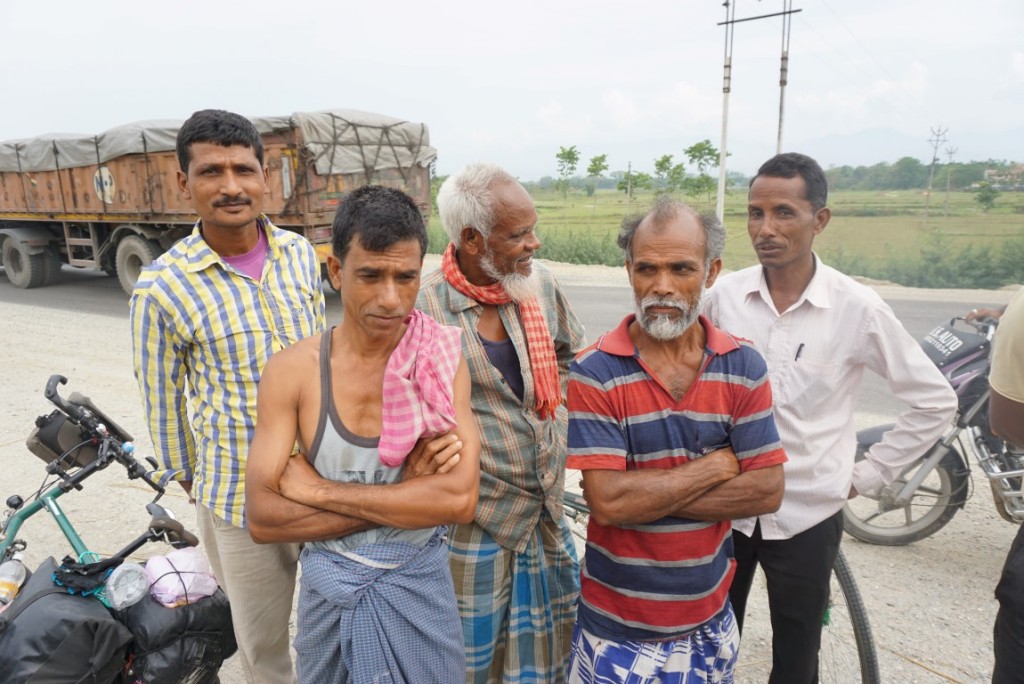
point(931, 603)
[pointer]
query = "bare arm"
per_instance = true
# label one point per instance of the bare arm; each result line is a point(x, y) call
point(754, 492)
point(623, 497)
point(421, 502)
point(271, 517)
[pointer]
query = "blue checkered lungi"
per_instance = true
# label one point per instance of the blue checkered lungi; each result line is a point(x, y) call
point(517, 609)
point(387, 614)
point(705, 656)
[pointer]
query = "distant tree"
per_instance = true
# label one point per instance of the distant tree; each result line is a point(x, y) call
point(595, 170)
point(908, 173)
point(986, 196)
point(631, 182)
point(598, 165)
point(435, 185)
point(568, 159)
point(704, 156)
point(669, 175)
point(662, 165)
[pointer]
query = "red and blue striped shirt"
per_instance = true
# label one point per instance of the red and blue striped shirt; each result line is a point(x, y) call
point(663, 579)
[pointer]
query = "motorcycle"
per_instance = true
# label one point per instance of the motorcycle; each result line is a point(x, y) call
point(927, 494)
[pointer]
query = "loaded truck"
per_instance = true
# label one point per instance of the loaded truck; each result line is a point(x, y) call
point(111, 202)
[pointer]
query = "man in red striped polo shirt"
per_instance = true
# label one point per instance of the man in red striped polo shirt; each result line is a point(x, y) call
point(670, 420)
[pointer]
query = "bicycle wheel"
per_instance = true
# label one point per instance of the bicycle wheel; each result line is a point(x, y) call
point(873, 518)
point(847, 649)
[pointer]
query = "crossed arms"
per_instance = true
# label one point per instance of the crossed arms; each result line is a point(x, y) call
point(287, 500)
point(710, 488)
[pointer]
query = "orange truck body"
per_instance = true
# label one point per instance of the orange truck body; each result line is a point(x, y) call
point(57, 208)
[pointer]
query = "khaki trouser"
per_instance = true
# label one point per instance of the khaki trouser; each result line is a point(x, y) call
point(259, 580)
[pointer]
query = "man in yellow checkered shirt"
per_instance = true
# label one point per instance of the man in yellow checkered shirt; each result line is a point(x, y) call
point(206, 316)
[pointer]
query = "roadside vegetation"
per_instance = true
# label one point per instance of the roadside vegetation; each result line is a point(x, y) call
point(953, 240)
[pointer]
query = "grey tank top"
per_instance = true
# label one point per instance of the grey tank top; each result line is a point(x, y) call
point(339, 455)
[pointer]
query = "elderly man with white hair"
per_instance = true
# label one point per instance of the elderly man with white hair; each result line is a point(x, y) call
point(515, 567)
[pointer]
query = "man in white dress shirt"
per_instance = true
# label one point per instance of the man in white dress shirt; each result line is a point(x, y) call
point(818, 330)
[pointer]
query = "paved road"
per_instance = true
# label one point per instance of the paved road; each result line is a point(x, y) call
point(930, 603)
point(600, 309)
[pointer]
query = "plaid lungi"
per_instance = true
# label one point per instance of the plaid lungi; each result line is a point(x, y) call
point(387, 615)
point(705, 656)
point(517, 609)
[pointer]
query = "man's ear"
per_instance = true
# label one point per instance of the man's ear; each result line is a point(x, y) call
point(713, 270)
point(472, 241)
point(266, 179)
point(334, 272)
point(183, 184)
point(821, 219)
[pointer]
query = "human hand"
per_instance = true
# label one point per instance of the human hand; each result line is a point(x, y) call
point(853, 492)
point(725, 460)
point(187, 486)
point(983, 313)
point(433, 456)
point(299, 479)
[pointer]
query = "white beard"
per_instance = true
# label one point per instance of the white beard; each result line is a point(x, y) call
point(666, 328)
point(518, 286)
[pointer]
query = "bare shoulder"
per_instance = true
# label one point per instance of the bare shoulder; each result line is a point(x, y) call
point(297, 359)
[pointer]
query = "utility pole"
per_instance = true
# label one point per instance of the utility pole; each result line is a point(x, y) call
point(950, 151)
point(729, 23)
point(938, 137)
point(787, 23)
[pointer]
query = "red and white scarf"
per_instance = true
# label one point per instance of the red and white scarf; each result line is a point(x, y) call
point(539, 345)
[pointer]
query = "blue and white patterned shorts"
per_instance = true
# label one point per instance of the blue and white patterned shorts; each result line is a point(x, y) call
point(708, 656)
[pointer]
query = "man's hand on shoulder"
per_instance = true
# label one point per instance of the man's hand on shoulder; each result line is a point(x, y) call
point(432, 456)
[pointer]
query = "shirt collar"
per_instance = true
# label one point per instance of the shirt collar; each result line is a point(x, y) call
point(816, 293)
point(200, 256)
point(618, 342)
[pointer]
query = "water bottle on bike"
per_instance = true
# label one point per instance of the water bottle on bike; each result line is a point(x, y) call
point(12, 576)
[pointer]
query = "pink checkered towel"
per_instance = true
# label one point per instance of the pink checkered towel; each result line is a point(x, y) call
point(418, 386)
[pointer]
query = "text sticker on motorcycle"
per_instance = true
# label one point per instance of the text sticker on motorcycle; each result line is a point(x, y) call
point(944, 340)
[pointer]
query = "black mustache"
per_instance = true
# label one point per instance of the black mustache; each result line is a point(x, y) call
point(229, 201)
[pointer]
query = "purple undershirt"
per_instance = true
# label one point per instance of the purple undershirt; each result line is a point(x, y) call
point(251, 263)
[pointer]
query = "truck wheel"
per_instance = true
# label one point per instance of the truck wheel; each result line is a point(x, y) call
point(23, 269)
point(133, 254)
point(51, 268)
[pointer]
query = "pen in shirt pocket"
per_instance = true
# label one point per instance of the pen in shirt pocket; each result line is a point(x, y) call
point(799, 351)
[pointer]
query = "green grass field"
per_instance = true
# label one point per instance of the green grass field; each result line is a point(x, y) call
point(877, 234)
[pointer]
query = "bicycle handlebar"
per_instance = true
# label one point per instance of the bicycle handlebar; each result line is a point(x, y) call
point(54, 397)
point(110, 444)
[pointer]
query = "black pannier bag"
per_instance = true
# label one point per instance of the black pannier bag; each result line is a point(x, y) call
point(48, 636)
point(183, 644)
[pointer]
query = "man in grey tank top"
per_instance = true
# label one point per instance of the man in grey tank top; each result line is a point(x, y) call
point(365, 449)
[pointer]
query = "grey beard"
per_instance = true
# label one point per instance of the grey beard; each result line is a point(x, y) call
point(518, 287)
point(665, 328)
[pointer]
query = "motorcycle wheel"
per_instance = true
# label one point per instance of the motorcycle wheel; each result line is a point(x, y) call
point(871, 518)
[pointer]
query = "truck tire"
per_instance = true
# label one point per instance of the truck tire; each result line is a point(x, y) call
point(133, 254)
point(51, 268)
point(23, 269)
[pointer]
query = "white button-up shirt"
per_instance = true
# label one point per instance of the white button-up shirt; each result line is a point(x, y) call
point(817, 351)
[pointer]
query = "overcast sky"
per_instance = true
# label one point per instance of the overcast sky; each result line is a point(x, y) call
point(510, 82)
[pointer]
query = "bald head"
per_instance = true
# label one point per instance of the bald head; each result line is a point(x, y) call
point(665, 213)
